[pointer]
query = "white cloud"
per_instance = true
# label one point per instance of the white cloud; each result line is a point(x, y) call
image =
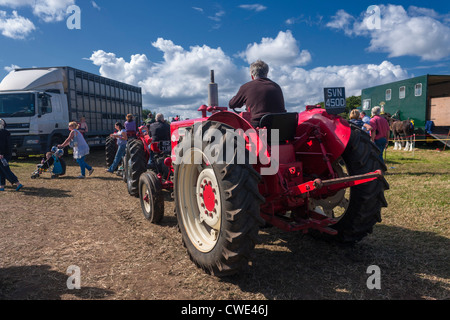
point(418, 32)
point(95, 5)
point(47, 10)
point(302, 87)
point(217, 16)
point(253, 7)
point(178, 83)
point(283, 50)
point(198, 9)
point(11, 68)
point(342, 21)
point(14, 26)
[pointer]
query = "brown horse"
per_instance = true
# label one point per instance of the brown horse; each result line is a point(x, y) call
point(402, 131)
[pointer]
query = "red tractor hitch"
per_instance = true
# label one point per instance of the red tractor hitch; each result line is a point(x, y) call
point(313, 220)
point(325, 186)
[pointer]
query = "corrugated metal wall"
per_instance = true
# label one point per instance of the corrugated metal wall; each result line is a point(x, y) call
point(101, 101)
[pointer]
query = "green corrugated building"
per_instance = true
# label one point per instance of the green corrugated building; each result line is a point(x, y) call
point(422, 99)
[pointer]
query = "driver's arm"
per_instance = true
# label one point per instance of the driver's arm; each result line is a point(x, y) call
point(238, 100)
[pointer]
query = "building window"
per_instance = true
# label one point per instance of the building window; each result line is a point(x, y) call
point(418, 90)
point(366, 104)
point(402, 92)
point(388, 94)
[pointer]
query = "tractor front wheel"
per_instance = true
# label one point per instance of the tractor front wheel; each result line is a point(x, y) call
point(151, 196)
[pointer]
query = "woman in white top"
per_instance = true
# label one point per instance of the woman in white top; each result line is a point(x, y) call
point(80, 148)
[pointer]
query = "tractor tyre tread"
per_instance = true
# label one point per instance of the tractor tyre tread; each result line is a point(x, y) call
point(366, 200)
point(241, 217)
point(136, 156)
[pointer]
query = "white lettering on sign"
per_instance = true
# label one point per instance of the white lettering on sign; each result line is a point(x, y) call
point(335, 102)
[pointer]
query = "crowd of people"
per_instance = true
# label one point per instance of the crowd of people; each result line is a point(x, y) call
point(158, 129)
point(376, 126)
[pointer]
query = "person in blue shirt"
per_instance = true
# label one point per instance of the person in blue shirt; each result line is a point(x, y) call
point(366, 120)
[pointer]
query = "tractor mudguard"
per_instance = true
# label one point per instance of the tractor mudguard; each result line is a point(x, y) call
point(255, 145)
point(332, 130)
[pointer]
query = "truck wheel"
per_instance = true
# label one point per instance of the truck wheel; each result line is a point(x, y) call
point(110, 151)
point(217, 206)
point(151, 196)
point(136, 165)
point(358, 210)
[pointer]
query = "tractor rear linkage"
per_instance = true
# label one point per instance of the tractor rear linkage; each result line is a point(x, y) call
point(317, 221)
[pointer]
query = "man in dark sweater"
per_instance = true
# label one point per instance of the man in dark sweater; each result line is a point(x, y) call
point(160, 130)
point(261, 95)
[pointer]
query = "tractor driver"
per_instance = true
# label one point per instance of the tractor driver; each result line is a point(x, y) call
point(261, 95)
point(160, 130)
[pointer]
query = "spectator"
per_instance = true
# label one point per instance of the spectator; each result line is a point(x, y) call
point(366, 120)
point(82, 126)
point(355, 118)
point(261, 96)
point(380, 130)
point(80, 149)
point(121, 136)
point(130, 124)
point(5, 157)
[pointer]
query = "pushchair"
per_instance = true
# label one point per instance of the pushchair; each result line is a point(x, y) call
point(54, 162)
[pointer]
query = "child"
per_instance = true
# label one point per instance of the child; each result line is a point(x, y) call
point(54, 159)
point(82, 126)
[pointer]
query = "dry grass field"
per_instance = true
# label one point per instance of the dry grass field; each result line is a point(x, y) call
point(94, 224)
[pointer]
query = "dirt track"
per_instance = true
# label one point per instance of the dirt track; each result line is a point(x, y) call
point(94, 224)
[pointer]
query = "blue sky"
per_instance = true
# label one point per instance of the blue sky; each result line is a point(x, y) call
point(168, 47)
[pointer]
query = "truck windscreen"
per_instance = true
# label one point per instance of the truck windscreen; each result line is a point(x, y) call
point(17, 105)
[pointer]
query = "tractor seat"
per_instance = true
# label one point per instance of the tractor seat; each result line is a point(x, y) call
point(286, 123)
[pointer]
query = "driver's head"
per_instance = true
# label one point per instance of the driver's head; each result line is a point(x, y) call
point(2, 124)
point(259, 69)
point(159, 117)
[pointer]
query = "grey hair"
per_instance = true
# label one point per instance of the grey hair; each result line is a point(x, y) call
point(159, 117)
point(376, 111)
point(2, 124)
point(259, 69)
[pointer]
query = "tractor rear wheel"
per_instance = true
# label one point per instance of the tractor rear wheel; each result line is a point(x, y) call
point(360, 209)
point(151, 196)
point(217, 204)
point(110, 150)
point(136, 165)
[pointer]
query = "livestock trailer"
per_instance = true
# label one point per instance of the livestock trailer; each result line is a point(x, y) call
point(424, 99)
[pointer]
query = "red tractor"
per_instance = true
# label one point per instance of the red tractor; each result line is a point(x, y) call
point(145, 179)
point(314, 173)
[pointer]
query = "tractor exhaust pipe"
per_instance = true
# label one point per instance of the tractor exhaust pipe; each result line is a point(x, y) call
point(213, 92)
